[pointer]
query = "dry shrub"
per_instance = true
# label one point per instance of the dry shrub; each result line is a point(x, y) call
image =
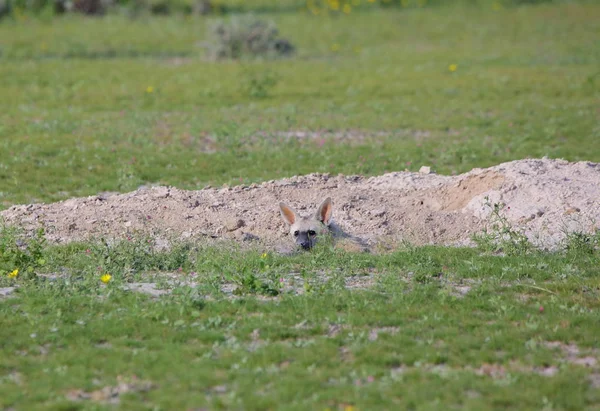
point(246, 36)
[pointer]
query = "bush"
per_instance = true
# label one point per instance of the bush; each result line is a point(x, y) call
point(4, 8)
point(246, 36)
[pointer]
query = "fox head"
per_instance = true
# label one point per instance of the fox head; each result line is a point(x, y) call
point(306, 230)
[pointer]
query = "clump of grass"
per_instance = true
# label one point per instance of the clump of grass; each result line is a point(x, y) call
point(578, 243)
point(246, 36)
point(20, 256)
point(501, 236)
point(259, 83)
point(129, 257)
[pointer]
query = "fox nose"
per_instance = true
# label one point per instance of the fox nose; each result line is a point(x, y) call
point(306, 245)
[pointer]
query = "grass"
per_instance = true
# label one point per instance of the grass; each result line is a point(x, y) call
point(388, 345)
point(112, 103)
point(77, 117)
point(411, 339)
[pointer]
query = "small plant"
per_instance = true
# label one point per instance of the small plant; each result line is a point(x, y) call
point(249, 283)
point(258, 84)
point(246, 36)
point(134, 255)
point(21, 257)
point(501, 236)
point(579, 243)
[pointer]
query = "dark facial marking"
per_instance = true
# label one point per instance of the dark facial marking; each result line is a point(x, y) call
point(304, 240)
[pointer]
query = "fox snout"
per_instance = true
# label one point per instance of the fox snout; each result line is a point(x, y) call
point(306, 239)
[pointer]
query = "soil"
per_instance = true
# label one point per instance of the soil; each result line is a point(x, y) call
point(544, 199)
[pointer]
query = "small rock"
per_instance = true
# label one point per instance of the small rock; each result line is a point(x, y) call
point(219, 389)
point(425, 170)
point(7, 291)
point(160, 192)
point(378, 213)
point(585, 361)
point(571, 210)
point(127, 223)
point(463, 289)
point(595, 380)
point(234, 223)
point(145, 288)
point(249, 237)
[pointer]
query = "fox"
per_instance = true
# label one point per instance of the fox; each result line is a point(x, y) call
point(306, 230)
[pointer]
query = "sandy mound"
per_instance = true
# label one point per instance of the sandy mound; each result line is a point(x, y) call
point(544, 198)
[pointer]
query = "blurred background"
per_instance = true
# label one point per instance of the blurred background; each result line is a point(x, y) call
point(110, 95)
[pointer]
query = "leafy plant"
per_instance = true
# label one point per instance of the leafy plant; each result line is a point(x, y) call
point(259, 84)
point(249, 283)
point(579, 243)
point(501, 236)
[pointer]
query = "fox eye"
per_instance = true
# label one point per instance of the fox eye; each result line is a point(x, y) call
point(296, 233)
point(311, 232)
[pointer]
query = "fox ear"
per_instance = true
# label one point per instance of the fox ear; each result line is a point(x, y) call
point(288, 215)
point(325, 211)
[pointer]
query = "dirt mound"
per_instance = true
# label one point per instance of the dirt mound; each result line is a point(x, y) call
point(544, 198)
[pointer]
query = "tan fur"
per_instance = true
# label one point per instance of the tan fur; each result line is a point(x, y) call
point(306, 230)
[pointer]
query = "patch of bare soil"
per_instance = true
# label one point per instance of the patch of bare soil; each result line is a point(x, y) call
point(544, 198)
point(112, 394)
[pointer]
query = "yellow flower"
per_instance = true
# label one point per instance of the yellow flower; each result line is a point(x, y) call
point(149, 89)
point(347, 8)
point(105, 278)
point(349, 408)
point(452, 68)
point(264, 255)
point(14, 273)
point(335, 47)
point(334, 4)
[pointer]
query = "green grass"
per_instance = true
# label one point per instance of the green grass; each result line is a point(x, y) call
point(76, 117)
point(248, 330)
point(409, 340)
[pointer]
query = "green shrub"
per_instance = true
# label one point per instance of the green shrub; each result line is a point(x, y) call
point(246, 36)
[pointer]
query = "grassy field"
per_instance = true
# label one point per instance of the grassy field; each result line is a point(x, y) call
point(111, 103)
point(114, 103)
point(428, 328)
